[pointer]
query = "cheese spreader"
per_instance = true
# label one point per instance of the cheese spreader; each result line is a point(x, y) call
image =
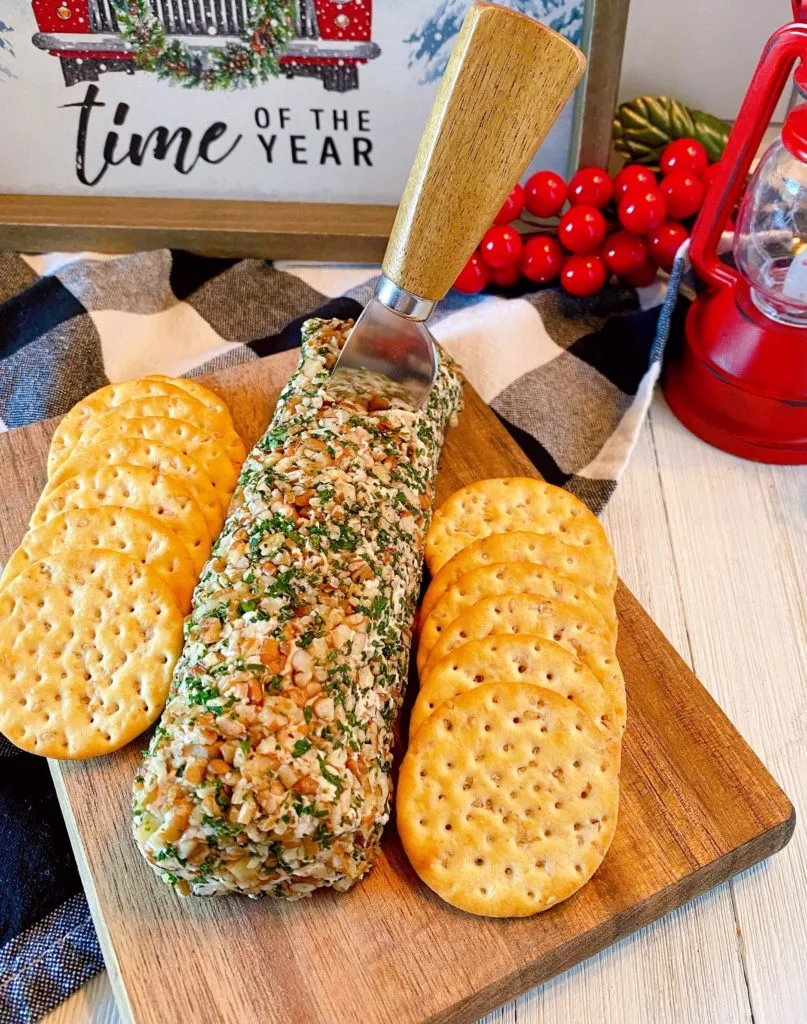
point(506, 82)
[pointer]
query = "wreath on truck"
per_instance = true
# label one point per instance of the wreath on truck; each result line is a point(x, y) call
point(251, 61)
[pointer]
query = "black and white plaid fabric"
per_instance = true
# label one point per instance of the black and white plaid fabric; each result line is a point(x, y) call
point(571, 379)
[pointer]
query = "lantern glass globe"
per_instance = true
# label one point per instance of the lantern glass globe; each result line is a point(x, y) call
point(770, 241)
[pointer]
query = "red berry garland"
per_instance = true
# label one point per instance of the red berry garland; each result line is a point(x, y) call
point(545, 193)
point(541, 259)
point(582, 229)
point(710, 174)
point(684, 193)
point(474, 276)
point(591, 186)
point(642, 276)
point(685, 155)
point(665, 241)
point(642, 210)
point(500, 246)
point(624, 253)
point(583, 275)
point(631, 177)
point(627, 226)
point(506, 277)
point(513, 205)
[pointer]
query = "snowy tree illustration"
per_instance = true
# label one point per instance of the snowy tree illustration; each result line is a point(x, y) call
point(434, 39)
point(6, 51)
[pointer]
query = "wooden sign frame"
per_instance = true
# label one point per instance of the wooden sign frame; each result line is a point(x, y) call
point(297, 231)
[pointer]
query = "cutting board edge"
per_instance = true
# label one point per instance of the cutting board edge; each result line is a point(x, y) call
point(757, 849)
point(103, 934)
point(772, 838)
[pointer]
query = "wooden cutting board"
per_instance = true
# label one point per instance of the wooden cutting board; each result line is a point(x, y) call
point(697, 806)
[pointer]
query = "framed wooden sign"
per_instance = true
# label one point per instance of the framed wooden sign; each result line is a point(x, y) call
point(271, 128)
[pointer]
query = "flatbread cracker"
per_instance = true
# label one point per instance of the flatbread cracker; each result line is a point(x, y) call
point(184, 436)
point(514, 659)
point(136, 451)
point(509, 503)
point(73, 426)
point(179, 406)
point(508, 800)
point(538, 616)
point(131, 533)
point(501, 578)
point(87, 649)
point(145, 490)
point(592, 569)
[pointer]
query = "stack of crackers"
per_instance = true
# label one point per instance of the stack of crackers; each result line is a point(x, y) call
point(140, 475)
point(508, 795)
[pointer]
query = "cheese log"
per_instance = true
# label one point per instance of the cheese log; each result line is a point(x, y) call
point(269, 771)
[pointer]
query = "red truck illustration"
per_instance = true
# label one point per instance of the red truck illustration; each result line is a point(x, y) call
point(332, 37)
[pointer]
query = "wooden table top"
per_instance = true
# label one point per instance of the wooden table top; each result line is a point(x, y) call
point(715, 548)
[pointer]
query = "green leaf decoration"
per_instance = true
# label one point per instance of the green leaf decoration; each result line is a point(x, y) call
point(644, 126)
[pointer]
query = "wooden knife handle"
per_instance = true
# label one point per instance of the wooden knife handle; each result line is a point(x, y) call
point(506, 82)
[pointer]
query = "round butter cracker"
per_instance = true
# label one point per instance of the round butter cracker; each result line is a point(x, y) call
point(131, 533)
point(514, 659)
point(499, 505)
point(160, 495)
point(135, 451)
point(72, 428)
point(591, 568)
point(185, 437)
point(508, 800)
point(87, 649)
point(500, 578)
point(531, 615)
point(195, 390)
point(178, 406)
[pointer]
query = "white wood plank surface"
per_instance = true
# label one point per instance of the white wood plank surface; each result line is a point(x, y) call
point(716, 550)
point(739, 535)
point(93, 1004)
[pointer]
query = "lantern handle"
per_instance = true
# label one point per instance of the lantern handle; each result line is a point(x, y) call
point(782, 50)
point(799, 10)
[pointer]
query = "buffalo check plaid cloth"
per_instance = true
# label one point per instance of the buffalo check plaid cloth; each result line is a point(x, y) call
point(570, 378)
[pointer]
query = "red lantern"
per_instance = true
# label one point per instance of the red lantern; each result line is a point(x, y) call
point(740, 382)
